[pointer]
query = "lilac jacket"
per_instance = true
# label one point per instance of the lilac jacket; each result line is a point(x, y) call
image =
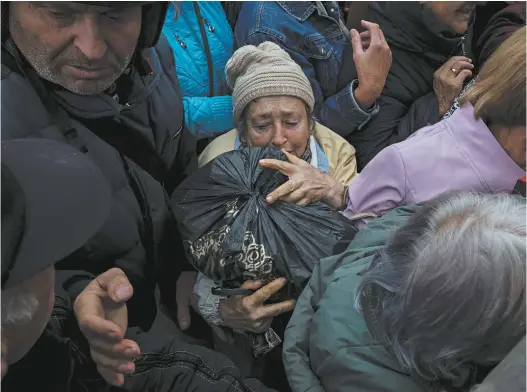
point(458, 153)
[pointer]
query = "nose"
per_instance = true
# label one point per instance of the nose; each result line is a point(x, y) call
point(279, 138)
point(89, 39)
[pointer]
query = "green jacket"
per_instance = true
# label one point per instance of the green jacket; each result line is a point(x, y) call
point(327, 345)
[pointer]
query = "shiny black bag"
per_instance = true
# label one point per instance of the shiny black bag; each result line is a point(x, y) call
point(231, 234)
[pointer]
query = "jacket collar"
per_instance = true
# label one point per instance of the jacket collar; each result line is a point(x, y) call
point(142, 82)
point(300, 10)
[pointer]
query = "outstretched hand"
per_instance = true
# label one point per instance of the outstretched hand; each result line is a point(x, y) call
point(373, 59)
point(103, 318)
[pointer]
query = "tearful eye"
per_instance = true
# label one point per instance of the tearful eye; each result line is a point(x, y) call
point(261, 127)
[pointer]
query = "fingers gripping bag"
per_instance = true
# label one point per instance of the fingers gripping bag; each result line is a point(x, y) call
point(231, 234)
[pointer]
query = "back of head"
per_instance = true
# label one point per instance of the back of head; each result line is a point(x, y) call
point(498, 95)
point(451, 283)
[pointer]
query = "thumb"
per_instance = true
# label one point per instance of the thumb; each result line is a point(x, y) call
point(116, 285)
point(356, 42)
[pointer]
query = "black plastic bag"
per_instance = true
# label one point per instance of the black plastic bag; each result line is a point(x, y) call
point(231, 234)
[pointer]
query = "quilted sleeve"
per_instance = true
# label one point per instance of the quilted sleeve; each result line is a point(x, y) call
point(208, 116)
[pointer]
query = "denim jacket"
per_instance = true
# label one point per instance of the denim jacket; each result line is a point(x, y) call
point(314, 36)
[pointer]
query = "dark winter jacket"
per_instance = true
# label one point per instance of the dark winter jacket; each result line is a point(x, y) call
point(500, 27)
point(419, 45)
point(146, 130)
point(60, 362)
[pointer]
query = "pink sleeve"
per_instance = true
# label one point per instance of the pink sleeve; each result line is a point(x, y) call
point(380, 187)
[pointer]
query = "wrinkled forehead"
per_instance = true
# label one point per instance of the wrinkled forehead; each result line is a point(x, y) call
point(87, 6)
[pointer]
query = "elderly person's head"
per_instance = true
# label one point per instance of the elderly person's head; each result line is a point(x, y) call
point(498, 96)
point(82, 46)
point(449, 288)
point(53, 200)
point(454, 14)
point(272, 98)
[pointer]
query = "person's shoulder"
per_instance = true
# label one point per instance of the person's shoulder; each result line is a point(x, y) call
point(263, 17)
point(218, 146)
point(18, 96)
point(424, 138)
point(330, 139)
point(340, 154)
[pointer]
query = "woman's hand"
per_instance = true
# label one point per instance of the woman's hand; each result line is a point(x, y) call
point(306, 184)
point(249, 313)
point(449, 79)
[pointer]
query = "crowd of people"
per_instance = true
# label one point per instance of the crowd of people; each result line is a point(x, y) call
point(408, 118)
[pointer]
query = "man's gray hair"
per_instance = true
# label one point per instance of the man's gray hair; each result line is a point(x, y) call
point(18, 308)
point(450, 285)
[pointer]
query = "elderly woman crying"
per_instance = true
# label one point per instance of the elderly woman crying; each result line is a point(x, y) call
point(273, 106)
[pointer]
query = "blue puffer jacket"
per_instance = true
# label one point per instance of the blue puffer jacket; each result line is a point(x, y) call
point(205, 115)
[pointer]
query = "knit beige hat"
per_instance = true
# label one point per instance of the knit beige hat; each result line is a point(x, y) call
point(263, 71)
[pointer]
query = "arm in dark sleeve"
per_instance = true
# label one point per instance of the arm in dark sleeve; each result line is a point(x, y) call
point(71, 282)
point(169, 365)
point(186, 161)
point(394, 124)
point(422, 113)
point(340, 112)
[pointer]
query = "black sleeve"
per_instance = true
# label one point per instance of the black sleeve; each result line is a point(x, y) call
point(71, 283)
point(394, 123)
point(169, 365)
point(422, 113)
point(186, 161)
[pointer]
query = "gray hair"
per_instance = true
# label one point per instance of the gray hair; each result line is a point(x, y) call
point(18, 308)
point(450, 284)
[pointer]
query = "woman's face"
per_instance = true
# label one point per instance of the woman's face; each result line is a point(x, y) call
point(280, 122)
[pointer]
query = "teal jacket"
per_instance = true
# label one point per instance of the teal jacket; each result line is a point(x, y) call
point(206, 115)
point(327, 346)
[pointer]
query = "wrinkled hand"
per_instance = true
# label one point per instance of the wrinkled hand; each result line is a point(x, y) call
point(185, 297)
point(249, 313)
point(373, 59)
point(306, 184)
point(103, 318)
point(449, 79)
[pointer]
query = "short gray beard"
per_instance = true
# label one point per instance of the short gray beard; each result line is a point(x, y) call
point(37, 58)
point(93, 88)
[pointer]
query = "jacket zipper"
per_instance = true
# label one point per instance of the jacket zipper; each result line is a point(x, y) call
point(206, 47)
point(210, 27)
point(462, 43)
point(183, 45)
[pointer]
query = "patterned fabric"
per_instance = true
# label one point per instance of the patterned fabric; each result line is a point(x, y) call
point(455, 105)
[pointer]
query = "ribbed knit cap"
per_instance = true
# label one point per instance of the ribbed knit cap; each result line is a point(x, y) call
point(262, 71)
